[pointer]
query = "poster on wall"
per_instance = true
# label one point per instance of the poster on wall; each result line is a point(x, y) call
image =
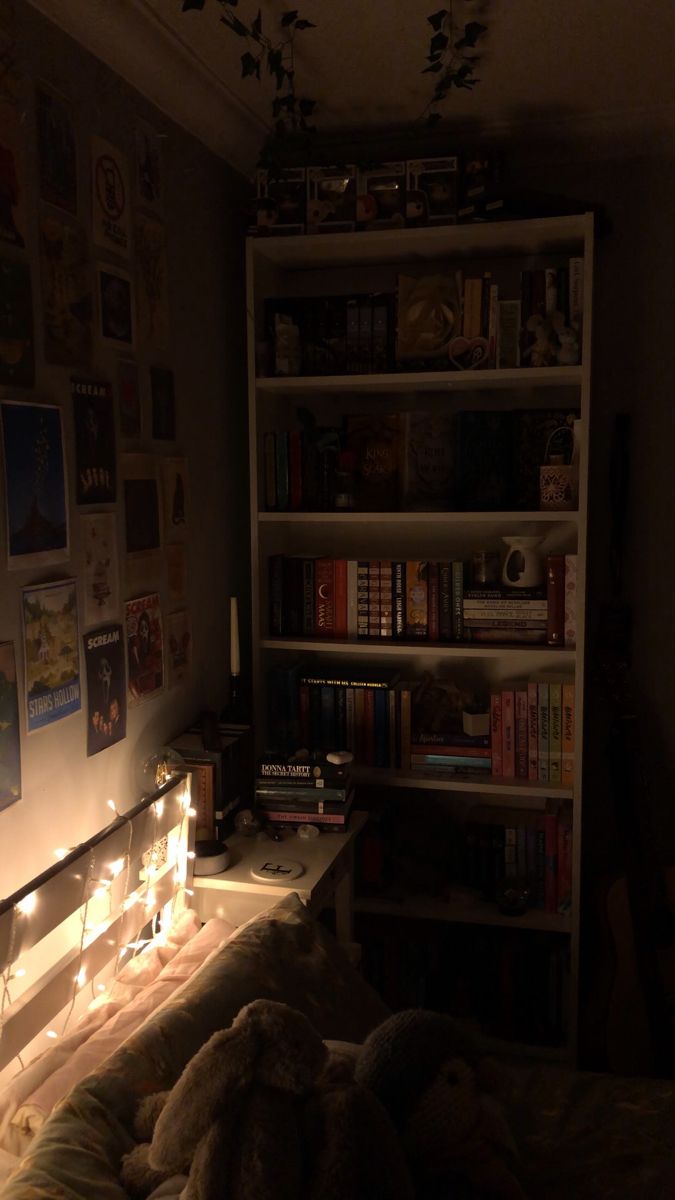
point(95, 462)
point(148, 168)
point(12, 185)
point(17, 358)
point(57, 151)
point(176, 572)
point(110, 197)
point(116, 313)
point(178, 647)
point(106, 687)
point(10, 77)
point(144, 647)
point(163, 404)
point(175, 494)
point(101, 574)
point(129, 399)
point(35, 484)
point(10, 743)
point(152, 282)
point(51, 647)
point(141, 504)
point(67, 303)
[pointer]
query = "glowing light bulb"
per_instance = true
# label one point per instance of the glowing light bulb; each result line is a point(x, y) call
point(116, 867)
point(150, 900)
point(111, 804)
point(159, 807)
point(185, 801)
point(81, 977)
point(100, 987)
point(60, 853)
point(191, 854)
point(130, 901)
point(189, 892)
point(20, 972)
point(27, 905)
point(192, 812)
point(51, 1033)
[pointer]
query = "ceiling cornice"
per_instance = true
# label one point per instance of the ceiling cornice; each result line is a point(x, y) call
point(129, 37)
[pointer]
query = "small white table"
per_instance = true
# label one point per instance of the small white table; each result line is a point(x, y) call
point(328, 863)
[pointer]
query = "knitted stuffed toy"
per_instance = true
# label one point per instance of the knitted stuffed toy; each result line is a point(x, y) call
point(437, 1085)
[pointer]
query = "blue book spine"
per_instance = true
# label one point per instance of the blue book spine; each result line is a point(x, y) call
point(340, 718)
point(381, 728)
point(328, 732)
point(457, 762)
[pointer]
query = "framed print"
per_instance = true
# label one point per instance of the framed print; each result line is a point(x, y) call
point(101, 572)
point(95, 459)
point(116, 312)
point(144, 647)
point(51, 646)
point(17, 355)
point(57, 151)
point(175, 497)
point(128, 391)
point(152, 292)
point(12, 183)
point(67, 305)
point(176, 572)
point(148, 168)
point(106, 687)
point(35, 485)
point(111, 213)
point(142, 523)
point(163, 404)
point(178, 647)
point(10, 740)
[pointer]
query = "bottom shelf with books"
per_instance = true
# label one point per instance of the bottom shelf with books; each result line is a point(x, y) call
point(462, 906)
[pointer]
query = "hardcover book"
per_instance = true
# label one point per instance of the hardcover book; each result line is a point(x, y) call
point(374, 443)
point(417, 612)
point(428, 461)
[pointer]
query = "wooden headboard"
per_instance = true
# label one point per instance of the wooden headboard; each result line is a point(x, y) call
point(75, 922)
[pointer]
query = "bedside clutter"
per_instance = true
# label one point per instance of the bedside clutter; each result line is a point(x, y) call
point(308, 788)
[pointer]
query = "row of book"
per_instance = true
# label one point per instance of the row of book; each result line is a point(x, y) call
point(417, 600)
point(304, 789)
point(474, 460)
point(532, 731)
point(530, 850)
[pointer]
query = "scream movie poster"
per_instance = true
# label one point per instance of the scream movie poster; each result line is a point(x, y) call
point(144, 647)
point(106, 687)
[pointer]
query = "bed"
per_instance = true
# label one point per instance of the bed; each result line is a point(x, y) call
point(67, 1120)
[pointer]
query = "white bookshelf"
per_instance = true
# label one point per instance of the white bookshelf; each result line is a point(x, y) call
point(333, 263)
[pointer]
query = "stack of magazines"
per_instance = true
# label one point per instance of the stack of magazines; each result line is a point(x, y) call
point(305, 789)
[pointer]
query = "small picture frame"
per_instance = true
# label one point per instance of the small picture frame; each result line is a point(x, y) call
point(116, 307)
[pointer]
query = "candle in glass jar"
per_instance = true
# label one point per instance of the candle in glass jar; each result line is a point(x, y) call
point(234, 636)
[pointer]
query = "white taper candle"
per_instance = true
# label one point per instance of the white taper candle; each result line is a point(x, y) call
point(234, 636)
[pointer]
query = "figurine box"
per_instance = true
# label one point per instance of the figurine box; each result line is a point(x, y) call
point(432, 191)
point(280, 202)
point(331, 199)
point(380, 199)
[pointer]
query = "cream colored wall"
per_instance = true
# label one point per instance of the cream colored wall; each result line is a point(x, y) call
point(64, 792)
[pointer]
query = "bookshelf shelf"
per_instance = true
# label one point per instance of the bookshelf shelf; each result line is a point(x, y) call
point(462, 907)
point(433, 650)
point(426, 381)
point(429, 779)
point(419, 519)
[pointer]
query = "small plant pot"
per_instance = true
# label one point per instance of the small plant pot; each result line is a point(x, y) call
point(476, 724)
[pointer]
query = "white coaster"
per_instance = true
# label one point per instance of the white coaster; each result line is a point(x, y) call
point(276, 870)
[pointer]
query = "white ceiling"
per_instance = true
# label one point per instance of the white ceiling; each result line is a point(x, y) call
point(598, 71)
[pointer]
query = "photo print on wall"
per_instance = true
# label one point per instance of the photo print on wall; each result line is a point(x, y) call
point(148, 164)
point(129, 399)
point(106, 687)
point(176, 572)
point(141, 504)
point(179, 647)
point(17, 358)
point(35, 483)
point(175, 493)
point(51, 647)
point(94, 416)
point(57, 151)
point(144, 646)
point(110, 197)
point(10, 741)
point(152, 282)
point(116, 314)
point(67, 303)
point(163, 404)
point(12, 186)
point(101, 573)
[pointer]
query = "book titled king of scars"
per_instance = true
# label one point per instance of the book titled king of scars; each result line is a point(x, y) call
point(106, 687)
point(144, 646)
point(51, 646)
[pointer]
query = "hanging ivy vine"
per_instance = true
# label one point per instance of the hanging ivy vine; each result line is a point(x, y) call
point(451, 58)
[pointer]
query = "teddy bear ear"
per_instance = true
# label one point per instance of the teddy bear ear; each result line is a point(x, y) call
point(217, 1076)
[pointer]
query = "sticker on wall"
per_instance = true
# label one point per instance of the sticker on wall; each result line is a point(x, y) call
point(175, 494)
point(163, 404)
point(101, 574)
point(106, 687)
point(116, 312)
point(176, 572)
point(110, 197)
point(129, 399)
point(144, 646)
point(66, 292)
point(57, 151)
point(17, 360)
point(141, 504)
point(51, 646)
point(152, 282)
point(35, 483)
point(12, 185)
point(148, 168)
point(179, 647)
point(95, 461)
point(10, 742)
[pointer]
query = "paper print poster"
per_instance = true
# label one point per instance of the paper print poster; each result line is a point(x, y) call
point(116, 315)
point(101, 572)
point(144, 646)
point(152, 282)
point(141, 504)
point(163, 404)
point(51, 644)
point(57, 152)
point(12, 185)
point(9, 71)
point(35, 483)
point(176, 571)
point(175, 493)
point(110, 197)
point(106, 687)
point(129, 399)
point(10, 744)
point(179, 647)
point(95, 461)
point(148, 166)
point(67, 304)
point(17, 360)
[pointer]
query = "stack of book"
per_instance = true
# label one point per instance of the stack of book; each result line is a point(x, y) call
point(532, 849)
point(532, 731)
point(304, 790)
point(499, 613)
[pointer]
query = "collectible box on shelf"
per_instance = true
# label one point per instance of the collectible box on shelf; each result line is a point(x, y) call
point(331, 199)
point(280, 202)
point(381, 197)
point(432, 191)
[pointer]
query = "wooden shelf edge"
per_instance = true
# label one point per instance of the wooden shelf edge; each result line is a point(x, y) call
point(426, 778)
point(418, 518)
point(414, 381)
point(394, 648)
point(464, 910)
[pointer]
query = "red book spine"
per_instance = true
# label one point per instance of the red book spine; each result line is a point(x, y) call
point(433, 602)
point(521, 734)
point(532, 736)
point(551, 862)
point(369, 726)
point(340, 610)
point(303, 707)
point(496, 733)
point(324, 597)
point(555, 597)
point(564, 890)
point(295, 469)
point(508, 735)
